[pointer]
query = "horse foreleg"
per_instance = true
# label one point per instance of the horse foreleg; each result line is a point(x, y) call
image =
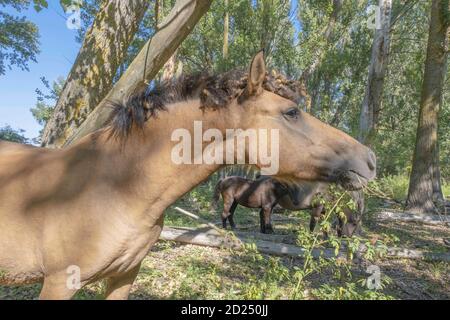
point(230, 217)
point(57, 287)
point(316, 213)
point(227, 205)
point(340, 226)
point(265, 215)
point(118, 287)
point(262, 225)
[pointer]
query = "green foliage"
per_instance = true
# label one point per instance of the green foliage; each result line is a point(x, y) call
point(18, 37)
point(392, 186)
point(316, 263)
point(445, 10)
point(9, 134)
point(269, 273)
point(446, 189)
point(45, 103)
point(22, 4)
point(271, 29)
point(42, 112)
point(350, 291)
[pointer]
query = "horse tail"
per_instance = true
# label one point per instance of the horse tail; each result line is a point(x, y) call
point(216, 194)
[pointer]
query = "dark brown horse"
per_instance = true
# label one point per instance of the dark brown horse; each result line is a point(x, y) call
point(263, 193)
point(301, 197)
point(92, 211)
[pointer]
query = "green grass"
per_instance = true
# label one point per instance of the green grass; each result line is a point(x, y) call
point(396, 186)
point(393, 186)
point(446, 189)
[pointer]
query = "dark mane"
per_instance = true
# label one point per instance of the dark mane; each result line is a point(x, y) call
point(214, 91)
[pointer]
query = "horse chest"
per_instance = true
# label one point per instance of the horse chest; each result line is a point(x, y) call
point(130, 248)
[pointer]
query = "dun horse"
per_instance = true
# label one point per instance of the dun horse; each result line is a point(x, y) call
point(93, 210)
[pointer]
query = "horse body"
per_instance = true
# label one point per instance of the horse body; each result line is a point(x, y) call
point(97, 205)
point(302, 195)
point(263, 193)
point(77, 217)
point(93, 210)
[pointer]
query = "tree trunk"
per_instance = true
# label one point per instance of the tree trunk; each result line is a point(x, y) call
point(320, 52)
point(226, 27)
point(170, 67)
point(173, 30)
point(438, 195)
point(420, 193)
point(371, 105)
point(158, 9)
point(103, 50)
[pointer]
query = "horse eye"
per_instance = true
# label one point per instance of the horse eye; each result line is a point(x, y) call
point(292, 113)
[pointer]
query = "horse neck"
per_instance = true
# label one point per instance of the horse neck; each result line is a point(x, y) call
point(158, 181)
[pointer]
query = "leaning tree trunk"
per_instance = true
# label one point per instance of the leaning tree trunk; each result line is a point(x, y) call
point(370, 108)
point(420, 193)
point(103, 50)
point(170, 67)
point(172, 31)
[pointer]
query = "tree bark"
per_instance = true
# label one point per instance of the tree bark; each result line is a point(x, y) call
point(370, 108)
point(226, 27)
point(438, 195)
point(103, 50)
point(420, 193)
point(170, 67)
point(157, 13)
point(172, 31)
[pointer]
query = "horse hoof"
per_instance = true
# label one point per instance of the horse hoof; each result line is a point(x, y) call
point(267, 230)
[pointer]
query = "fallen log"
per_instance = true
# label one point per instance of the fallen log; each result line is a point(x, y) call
point(211, 238)
point(402, 253)
point(411, 217)
point(239, 234)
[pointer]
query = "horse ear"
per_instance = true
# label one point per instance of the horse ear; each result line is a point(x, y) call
point(256, 74)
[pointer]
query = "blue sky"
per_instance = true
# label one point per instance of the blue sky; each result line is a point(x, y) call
point(58, 51)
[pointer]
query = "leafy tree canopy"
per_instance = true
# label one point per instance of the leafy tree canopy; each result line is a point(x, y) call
point(9, 134)
point(19, 39)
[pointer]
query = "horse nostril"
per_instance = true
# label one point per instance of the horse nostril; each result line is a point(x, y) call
point(372, 161)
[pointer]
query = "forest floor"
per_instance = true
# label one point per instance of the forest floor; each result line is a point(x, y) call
point(184, 271)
